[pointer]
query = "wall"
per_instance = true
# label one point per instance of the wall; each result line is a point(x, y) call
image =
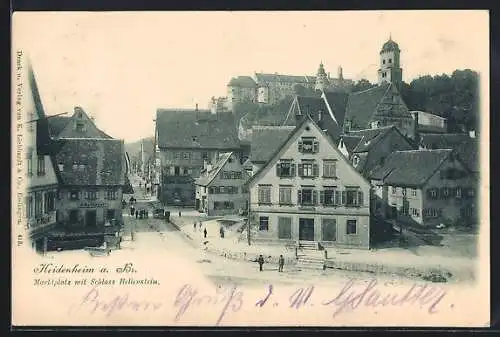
point(395, 197)
point(100, 205)
point(450, 206)
point(240, 199)
point(346, 176)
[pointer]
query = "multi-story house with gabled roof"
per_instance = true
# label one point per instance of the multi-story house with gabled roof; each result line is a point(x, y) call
point(308, 192)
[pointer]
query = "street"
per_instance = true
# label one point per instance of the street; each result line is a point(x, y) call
point(158, 233)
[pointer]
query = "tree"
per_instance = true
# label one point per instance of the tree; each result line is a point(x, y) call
point(362, 84)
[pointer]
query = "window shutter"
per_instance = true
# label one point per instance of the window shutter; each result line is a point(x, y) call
point(292, 169)
point(360, 198)
point(299, 197)
point(337, 198)
point(301, 170)
point(321, 197)
point(343, 196)
point(300, 146)
point(314, 197)
point(315, 170)
point(278, 169)
point(315, 146)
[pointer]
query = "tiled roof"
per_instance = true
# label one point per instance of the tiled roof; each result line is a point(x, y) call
point(92, 162)
point(424, 128)
point(266, 78)
point(444, 140)
point(362, 105)
point(196, 129)
point(242, 81)
point(266, 140)
point(312, 106)
point(351, 142)
point(338, 103)
point(207, 178)
point(370, 137)
point(410, 168)
point(58, 123)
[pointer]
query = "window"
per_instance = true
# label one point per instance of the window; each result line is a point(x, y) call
point(383, 61)
point(355, 161)
point(228, 205)
point(185, 155)
point(204, 155)
point(38, 204)
point(354, 197)
point(403, 191)
point(329, 229)
point(308, 145)
point(432, 193)
point(285, 169)
point(177, 170)
point(390, 60)
point(351, 227)
point(111, 194)
point(413, 192)
point(415, 212)
point(284, 228)
point(263, 223)
point(308, 169)
point(110, 214)
point(327, 196)
point(29, 207)
point(40, 165)
point(185, 171)
point(432, 212)
point(29, 162)
point(91, 195)
point(285, 195)
point(306, 197)
point(80, 127)
point(458, 192)
point(329, 169)
point(49, 202)
point(393, 189)
point(264, 194)
point(74, 195)
point(177, 155)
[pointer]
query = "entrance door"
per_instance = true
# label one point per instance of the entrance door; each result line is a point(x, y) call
point(91, 218)
point(306, 229)
point(73, 217)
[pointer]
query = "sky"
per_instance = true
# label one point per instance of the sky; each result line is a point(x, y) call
point(122, 66)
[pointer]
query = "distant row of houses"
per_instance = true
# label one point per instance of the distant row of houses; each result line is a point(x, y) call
point(333, 173)
point(76, 175)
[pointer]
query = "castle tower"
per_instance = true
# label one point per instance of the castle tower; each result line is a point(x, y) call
point(322, 81)
point(390, 70)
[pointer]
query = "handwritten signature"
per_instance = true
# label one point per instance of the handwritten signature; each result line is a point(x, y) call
point(370, 296)
point(93, 302)
point(189, 296)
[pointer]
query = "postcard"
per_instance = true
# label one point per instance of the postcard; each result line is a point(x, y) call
point(250, 168)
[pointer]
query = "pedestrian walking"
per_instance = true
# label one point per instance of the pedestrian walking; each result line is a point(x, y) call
point(179, 213)
point(281, 263)
point(205, 232)
point(136, 214)
point(260, 260)
point(194, 226)
point(221, 231)
point(199, 224)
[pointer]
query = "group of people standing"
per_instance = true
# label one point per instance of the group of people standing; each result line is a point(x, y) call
point(281, 263)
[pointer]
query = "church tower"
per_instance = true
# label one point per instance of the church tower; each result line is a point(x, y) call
point(390, 70)
point(322, 81)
